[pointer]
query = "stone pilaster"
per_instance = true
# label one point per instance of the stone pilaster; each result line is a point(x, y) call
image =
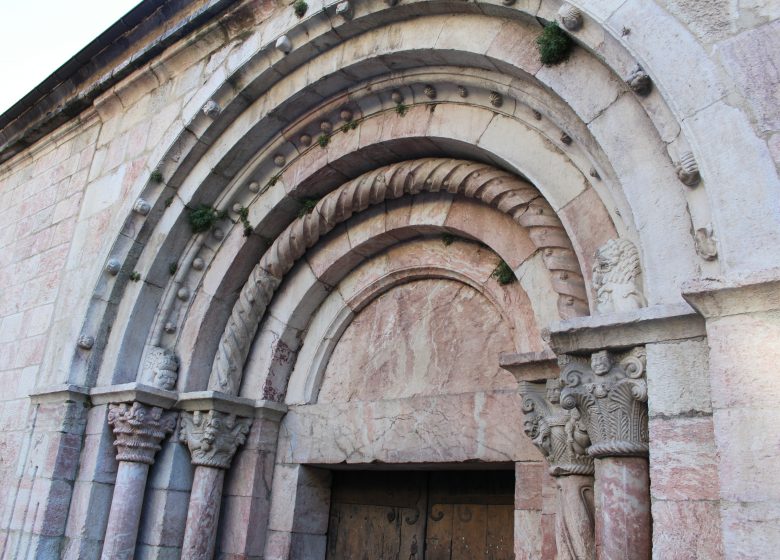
point(138, 429)
point(212, 438)
point(562, 438)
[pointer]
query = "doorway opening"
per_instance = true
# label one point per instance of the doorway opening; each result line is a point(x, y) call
point(433, 515)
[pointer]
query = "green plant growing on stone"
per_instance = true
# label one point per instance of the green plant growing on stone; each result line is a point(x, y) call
point(307, 206)
point(156, 176)
point(204, 218)
point(504, 274)
point(323, 140)
point(447, 239)
point(243, 216)
point(168, 202)
point(300, 8)
point(554, 44)
point(135, 276)
point(351, 125)
point(172, 268)
point(401, 109)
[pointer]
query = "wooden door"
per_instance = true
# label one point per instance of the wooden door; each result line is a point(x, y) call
point(441, 515)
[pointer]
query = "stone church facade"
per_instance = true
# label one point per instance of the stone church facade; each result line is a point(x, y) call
point(368, 279)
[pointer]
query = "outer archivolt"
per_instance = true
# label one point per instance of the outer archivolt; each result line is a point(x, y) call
point(482, 182)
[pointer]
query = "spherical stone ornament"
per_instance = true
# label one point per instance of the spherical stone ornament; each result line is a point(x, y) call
point(571, 17)
point(198, 263)
point(86, 342)
point(279, 160)
point(496, 99)
point(283, 44)
point(688, 170)
point(305, 140)
point(254, 187)
point(212, 109)
point(113, 266)
point(142, 207)
point(430, 92)
point(463, 92)
point(183, 294)
point(397, 97)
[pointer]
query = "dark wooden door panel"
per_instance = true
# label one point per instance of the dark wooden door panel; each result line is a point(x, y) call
point(421, 516)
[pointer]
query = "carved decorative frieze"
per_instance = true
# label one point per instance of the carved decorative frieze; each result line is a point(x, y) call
point(559, 434)
point(161, 368)
point(213, 437)
point(139, 429)
point(610, 394)
point(616, 277)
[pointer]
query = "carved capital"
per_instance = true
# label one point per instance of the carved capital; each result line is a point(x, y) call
point(139, 429)
point(559, 434)
point(610, 393)
point(213, 437)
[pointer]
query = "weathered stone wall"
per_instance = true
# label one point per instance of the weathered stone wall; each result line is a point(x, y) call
point(68, 205)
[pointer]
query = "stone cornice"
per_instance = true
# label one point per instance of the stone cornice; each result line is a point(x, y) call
point(215, 400)
point(65, 392)
point(129, 392)
point(530, 366)
point(721, 297)
point(617, 331)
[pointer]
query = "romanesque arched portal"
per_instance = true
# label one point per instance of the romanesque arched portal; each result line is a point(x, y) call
point(377, 261)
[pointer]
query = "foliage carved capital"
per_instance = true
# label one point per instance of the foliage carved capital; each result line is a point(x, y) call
point(610, 394)
point(138, 430)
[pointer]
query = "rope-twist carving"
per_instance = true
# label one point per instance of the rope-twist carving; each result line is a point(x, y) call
point(489, 185)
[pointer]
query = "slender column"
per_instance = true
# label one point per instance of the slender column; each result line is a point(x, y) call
point(610, 394)
point(212, 438)
point(561, 437)
point(138, 429)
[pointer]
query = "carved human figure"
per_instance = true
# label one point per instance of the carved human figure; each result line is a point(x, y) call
point(161, 367)
point(616, 277)
point(213, 437)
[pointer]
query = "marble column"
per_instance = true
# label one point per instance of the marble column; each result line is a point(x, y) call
point(212, 438)
point(138, 429)
point(609, 393)
point(563, 440)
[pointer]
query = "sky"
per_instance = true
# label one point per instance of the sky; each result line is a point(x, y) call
point(38, 36)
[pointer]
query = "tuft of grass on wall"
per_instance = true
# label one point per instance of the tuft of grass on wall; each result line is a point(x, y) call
point(300, 7)
point(204, 218)
point(504, 274)
point(307, 206)
point(554, 44)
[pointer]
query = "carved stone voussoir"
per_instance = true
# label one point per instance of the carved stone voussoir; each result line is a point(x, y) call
point(139, 429)
point(610, 393)
point(213, 437)
point(559, 434)
point(617, 277)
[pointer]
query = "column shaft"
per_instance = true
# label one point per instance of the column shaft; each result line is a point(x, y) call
point(623, 523)
point(125, 515)
point(574, 534)
point(205, 499)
